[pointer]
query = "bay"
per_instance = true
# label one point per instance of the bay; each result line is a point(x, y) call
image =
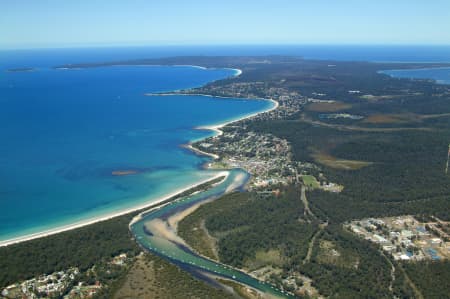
point(78, 144)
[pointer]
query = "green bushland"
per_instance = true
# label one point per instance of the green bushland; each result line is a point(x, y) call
point(339, 208)
point(82, 248)
point(402, 289)
point(154, 277)
point(354, 270)
point(406, 164)
point(406, 177)
point(247, 223)
point(431, 277)
point(405, 174)
point(190, 228)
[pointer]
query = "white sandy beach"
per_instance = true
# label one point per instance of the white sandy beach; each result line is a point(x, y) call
point(196, 150)
point(217, 128)
point(151, 204)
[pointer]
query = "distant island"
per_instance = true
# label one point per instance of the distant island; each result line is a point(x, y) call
point(21, 69)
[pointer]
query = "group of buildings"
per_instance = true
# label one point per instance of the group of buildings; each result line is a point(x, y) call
point(44, 286)
point(67, 284)
point(406, 238)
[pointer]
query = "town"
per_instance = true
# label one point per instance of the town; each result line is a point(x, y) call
point(290, 102)
point(266, 157)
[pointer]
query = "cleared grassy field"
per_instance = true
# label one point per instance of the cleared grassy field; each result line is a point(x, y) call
point(310, 181)
point(328, 107)
point(329, 253)
point(337, 163)
point(392, 118)
point(371, 97)
point(263, 258)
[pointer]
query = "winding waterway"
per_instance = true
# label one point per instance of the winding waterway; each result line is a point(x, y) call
point(152, 232)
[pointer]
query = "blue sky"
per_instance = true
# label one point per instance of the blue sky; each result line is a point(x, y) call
point(63, 23)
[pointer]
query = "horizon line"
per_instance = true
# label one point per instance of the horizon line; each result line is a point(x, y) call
point(132, 45)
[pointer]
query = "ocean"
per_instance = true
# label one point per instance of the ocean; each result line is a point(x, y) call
point(68, 136)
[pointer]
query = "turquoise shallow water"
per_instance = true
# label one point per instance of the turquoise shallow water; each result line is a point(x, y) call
point(65, 132)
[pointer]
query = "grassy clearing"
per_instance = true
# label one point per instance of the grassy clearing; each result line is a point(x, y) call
point(370, 97)
point(392, 118)
point(430, 116)
point(328, 107)
point(336, 163)
point(263, 258)
point(330, 254)
point(310, 181)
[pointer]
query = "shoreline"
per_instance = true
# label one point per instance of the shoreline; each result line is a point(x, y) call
point(151, 205)
point(200, 152)
point(238, 72)
point(217, 128)
point(166, 94)
point(164, 202)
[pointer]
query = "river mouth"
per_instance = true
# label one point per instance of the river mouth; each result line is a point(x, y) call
point(155, 231)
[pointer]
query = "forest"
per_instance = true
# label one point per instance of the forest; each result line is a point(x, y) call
point(80, 248)
point(394, 161)
point(246, 223)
